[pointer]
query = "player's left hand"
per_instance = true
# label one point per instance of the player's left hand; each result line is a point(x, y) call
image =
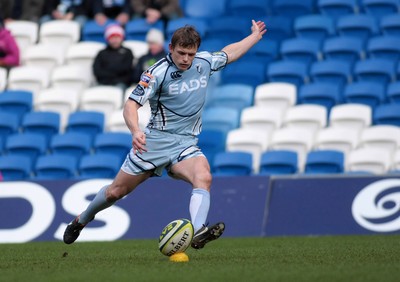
point(258, 28)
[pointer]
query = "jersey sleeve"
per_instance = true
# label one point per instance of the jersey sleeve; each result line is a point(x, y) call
point(145, 89)
point(218, 61)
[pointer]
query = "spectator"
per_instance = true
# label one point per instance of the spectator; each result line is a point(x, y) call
point(78, 10)
point(114, 64)
point(6, 9)
point(9, 51)
point(155, 39)
point(27, 10)
point(118, 10)
point(154, 10)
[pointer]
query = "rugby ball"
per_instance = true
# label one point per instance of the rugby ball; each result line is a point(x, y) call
point(176, 237)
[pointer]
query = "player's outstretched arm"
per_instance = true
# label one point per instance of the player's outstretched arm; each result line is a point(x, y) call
point(238, 49)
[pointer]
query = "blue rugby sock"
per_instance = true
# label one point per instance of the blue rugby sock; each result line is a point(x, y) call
point(199, 206)
point(98, 204)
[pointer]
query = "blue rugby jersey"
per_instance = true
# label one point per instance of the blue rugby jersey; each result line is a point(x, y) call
point(177, 97)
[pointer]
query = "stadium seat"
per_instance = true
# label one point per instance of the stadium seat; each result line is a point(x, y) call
point(361, 26)
point(341, 139)
point(99, 166)
point(384, 47)
point(375, 69)
point(74, 144)
point(295, 139)
point(213, 44)
point(18, 102)
point(201, 26)
point(138, 48)
point(393, 92)
point(44, 123)
point(116, 123)
point(265, 51)
point(233, 164)
point(390, 25)
point(249, 9)
point(261, 118)
point(244, 72)
point(395, 166)
point(248, 140)
point(365, 92)
point(304, 50)
point(28, 78)
point(315, 27)
point(211, 142)
point(309, 116)
point(44, 55)
point(9, 124)
point(55, 167)
point(380, 8)
point(388, 114)
point(228, 28)
point(3, 78)
point(331, 71)
point(92, 31)
point(26, 144)
point(206, 9)
point(277, 95)
point(354, 116)
point(381, 136)
point(15, 167)
point(338, 8)
point(235, 95)
point(102, 98)
point(293, 8)
point(136, 29)
point(221, 118)
point(277, 162)
point(26, 33)
point(72, 77)
point(342, 48)
point(60, 100)
point(88, 122)
point(293, 72)
point(324, 162)
point(60, 33)
point(372, 160)
point(279, 27)
point(320, 93)
point(115, 143)
point(83, 53)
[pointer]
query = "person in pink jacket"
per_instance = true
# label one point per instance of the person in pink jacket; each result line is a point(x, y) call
point(9, 51)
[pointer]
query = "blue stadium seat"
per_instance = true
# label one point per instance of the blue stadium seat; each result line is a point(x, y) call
point(324, 162)
point(16, 101)
point(233, 164)
point(46, 123)
point(375, 69)
point(393, 92)
point(390, 25)
point(349, 49)
point(380, 8)
point(74, 144)
point(136, 29)
point(212, 142)
point(315, 27)
point(92, 31)
point(221, 118)
point(385, 47)
point(235, 95)
point(265, 51)
point(212, 44)
point(321, 93)
point(56, 167)
point(26, 144)
point(387, 114)
point(15, 167)
point(9, 124)
point(115, 143)
point(365, 92)
point(99, 166)
point(172, 25)
point(228, 28)
point(301, 49)
point(250, 9)
point(359, 25)
point(279, 27)
point(88, 122)
point(278, 162)
point(293, 8)
point(337, 8)
point(206, 9)
point(332, 71)
point(293, 72)
point(244, 72)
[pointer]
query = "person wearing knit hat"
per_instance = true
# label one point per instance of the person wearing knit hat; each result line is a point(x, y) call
point(155, 40)
point(114, 64)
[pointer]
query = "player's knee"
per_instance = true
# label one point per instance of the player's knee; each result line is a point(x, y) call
point(203, 179)
point(116, 192)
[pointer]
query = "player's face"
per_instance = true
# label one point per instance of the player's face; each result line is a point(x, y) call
point(182, 57)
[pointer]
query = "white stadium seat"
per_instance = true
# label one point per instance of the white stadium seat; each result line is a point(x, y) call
point(381, 136)
point(261, 118)
point(337, 138)
point(278, 95)
point(355, 116)
point(117, 123)
point(71, 77)
point(29, 78)
point(61, 33)
point(26, 33)
point(371, 160)
point(138, 48)
point(44, 55)
point(83, 53)
point(310, 116)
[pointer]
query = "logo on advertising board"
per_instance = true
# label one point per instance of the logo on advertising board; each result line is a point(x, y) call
point(377, 206)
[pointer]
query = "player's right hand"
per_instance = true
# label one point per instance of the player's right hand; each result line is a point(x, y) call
point(139, 142)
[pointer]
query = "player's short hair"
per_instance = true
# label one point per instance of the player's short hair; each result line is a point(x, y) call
point(186, 37)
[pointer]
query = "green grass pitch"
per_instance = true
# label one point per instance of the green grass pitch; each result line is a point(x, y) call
point(336, 258)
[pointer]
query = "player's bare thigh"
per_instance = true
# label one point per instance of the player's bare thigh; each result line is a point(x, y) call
point(125, 183)
point(194, 170)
